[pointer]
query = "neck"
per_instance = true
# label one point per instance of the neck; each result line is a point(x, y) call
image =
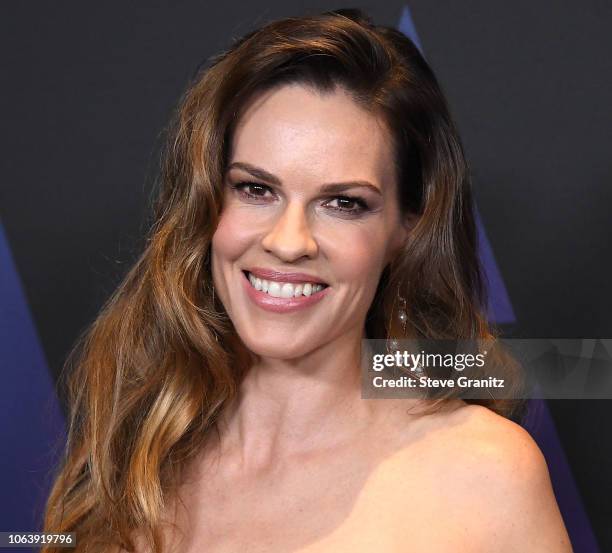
point(289, 407)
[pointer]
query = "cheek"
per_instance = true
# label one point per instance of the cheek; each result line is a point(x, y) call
point(357, 253)
point(231, 237)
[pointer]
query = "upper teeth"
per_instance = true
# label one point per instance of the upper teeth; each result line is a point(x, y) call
point(284, 289)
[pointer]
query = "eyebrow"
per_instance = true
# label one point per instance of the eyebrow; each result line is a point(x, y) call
point(332, 187)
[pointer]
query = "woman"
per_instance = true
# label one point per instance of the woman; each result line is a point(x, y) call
point(313, 179)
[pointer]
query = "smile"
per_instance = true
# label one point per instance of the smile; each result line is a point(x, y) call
point(283, 297)
point(279, 289)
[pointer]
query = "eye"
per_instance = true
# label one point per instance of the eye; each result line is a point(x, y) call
point(350, 204)
point(256, 192)
point(251, 190)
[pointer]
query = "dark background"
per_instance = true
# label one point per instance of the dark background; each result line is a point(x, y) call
point(89, 87)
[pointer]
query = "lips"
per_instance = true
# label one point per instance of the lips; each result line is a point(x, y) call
point(281, 304)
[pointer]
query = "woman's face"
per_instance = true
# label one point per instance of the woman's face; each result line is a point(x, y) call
point(310, 188)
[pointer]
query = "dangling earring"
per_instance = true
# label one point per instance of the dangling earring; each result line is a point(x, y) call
point(402, 318)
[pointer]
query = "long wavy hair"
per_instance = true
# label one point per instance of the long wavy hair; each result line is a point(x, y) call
point(149, 378)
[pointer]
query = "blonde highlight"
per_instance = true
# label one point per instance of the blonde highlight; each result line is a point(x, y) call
point(152, 374)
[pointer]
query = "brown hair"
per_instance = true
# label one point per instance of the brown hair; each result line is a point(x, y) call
point(151, 375)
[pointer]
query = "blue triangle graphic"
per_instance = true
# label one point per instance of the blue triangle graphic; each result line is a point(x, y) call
point(31, 422)
point(499, 308)
point(539, 421)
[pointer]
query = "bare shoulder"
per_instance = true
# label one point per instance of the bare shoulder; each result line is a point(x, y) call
point(493, 469)
point(502, 450)
point(497, 443)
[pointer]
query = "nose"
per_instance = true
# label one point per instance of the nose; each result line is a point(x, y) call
point(290, 237)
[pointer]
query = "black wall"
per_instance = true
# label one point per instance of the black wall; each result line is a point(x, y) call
point(88, 88)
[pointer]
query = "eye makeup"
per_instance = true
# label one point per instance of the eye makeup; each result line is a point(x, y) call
point(256, 192)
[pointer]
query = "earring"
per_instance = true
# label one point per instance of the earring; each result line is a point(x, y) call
point(402, 318)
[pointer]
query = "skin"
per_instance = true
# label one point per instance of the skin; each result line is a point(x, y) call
point(298, 384)
point(303, 463)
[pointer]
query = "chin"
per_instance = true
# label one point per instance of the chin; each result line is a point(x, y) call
point(278, 348)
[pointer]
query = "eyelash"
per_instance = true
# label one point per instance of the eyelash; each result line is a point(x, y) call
point(363, 206)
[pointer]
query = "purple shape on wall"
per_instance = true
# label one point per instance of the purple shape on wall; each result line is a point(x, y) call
point(406, 26)
point(499, 308)
point(31, 422)
point(538, 421)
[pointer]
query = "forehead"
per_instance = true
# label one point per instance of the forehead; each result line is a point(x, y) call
point(328, 136)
